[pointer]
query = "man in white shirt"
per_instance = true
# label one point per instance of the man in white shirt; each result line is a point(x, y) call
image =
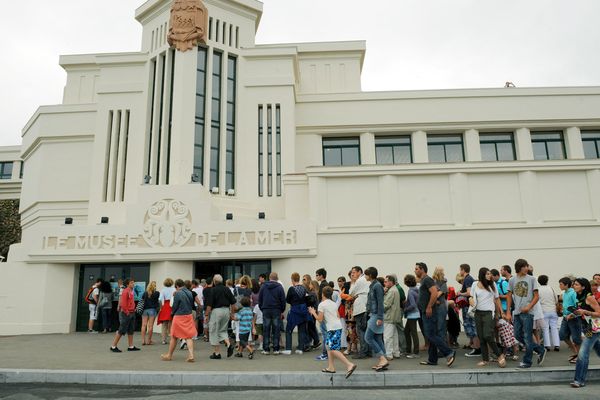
point(359, 291)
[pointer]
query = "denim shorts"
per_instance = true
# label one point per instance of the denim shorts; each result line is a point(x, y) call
point(149, 312)
point(126, 323)
point(572, 329)
point(469, 324)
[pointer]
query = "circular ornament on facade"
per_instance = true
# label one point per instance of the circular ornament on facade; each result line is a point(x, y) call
point(167, 223)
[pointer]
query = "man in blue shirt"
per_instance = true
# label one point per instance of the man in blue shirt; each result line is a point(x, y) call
point(501, 287)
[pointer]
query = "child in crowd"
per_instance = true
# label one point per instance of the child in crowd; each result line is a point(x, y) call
point(506, 333)
point(258, 327)
point(245, 322)
point(328, 312)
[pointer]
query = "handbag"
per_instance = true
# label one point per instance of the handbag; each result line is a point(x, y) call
point(139, 309)
point(473, 304)
point(591, 326)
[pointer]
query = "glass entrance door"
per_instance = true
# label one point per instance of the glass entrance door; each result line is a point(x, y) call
point(88, 275)
point(232, 269)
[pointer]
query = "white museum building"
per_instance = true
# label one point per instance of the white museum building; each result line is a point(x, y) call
point(207, 153)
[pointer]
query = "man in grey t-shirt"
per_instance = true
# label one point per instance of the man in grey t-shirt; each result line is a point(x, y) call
point(523, 292)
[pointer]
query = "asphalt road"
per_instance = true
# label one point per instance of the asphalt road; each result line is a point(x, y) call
point(71, 392)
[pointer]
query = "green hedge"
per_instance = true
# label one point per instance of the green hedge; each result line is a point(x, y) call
point(10, 225)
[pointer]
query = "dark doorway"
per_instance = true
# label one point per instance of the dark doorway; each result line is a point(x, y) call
point(88, 274)
point(232, 269)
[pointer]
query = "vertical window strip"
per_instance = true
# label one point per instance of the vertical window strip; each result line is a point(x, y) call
point(160, 118)
point(210, 28)
point(260, 151)
point(237, 37)
point(215, 123)
point(269, 150)
point(217, 30)
point(114, 156)
point(230, 124)
point(124, 155)
point(278, 146)
point(107, 156)
point(230, 35)
point(170, 124)
point(224, 30)
point(151, 125)
point(198, 171)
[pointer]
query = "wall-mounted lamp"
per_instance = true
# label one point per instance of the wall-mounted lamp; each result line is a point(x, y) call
point(147, 179)
point(229, 216)
point(261, 215)
point(214, 190)
point(230, 192)
point(68, 221)
point(104, 220)
point(195, 178)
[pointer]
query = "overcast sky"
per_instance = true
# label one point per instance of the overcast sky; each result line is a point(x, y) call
point(411, 44)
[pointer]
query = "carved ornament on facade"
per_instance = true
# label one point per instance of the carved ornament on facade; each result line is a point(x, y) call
point(167, 223)
point(188, 24)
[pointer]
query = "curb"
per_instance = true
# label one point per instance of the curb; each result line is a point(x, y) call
point(289, 379)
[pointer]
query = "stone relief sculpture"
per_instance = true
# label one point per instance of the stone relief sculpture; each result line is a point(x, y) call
point(167, 223)
point(188, 23)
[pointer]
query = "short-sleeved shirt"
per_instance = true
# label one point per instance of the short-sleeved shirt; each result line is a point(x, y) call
point(330, 315)
point(259, 316)
point(522, 288)
point(467, 283)
point(244, 317)
point(424, 293)
point(502, 287)
point(485, 298)
point(569, 300)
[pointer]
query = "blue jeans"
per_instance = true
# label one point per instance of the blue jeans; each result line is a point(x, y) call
point(570, 329)
point(583, 358)
point(523, 325)
point(430, 331)
point(301, 337)
point(375, 342)
point(105, 312)
point(324, 334)
point(271, 327)
point(441, 312)
point(361, 327)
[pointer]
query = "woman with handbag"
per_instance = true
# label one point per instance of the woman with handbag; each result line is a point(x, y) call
point(485, 301)
point(589, 310)
point(149, 312)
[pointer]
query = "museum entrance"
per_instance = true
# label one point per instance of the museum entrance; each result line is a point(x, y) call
point(89, 273)
point(232, 269)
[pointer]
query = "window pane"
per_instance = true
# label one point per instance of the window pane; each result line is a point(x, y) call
point(444, 139)
point(495, 137)
point(231, 68)
point(200, 83)
point(556, 151)
point(230, 114)
point(201, 59)
point(199, 106)
point(454, 153)
point(590, 149)
point(539, 151)
point(506, 152)
point(198, 157)
point(229, 181)
point(488, 152)
point(215, 112)
point(590, 135)
point(402, 155)
point(436, 153)
point(384, 155)
point(546, 136)
point(6, 170)
point(332, 156)
point(341, 142)
point(214, 159)
point(350, 156)
point(392, 140)
point(216, 87)
point(214, 137)
point(230, 90)
point(229, 161)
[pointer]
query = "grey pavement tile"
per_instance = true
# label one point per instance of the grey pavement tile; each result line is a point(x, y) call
point(403, 379)
point(502, 377)
point(263, 379)
point(65, 376)
point(155, 379)
point(306, 379)
point(205, 379)
point(26, 376)
point(107, 378)
point(462, 378)
point(360, 379)
point(2, 376)
point(552, 376)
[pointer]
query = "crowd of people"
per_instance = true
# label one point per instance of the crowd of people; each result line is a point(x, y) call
point(365, 315)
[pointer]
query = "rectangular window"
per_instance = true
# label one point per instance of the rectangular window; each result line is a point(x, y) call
point(163, 66)
point(393, 150)
point(548, 145)
point(445, 148)
point(591, 144)
point(269, 150)
point(6, 169)
point(198, 172)
point(497, 147)
point(215, 120)
point(22, 169)
point(230, 145)
point(341, 151)
point(260, 151)
point(151, 127)
point(278, 147)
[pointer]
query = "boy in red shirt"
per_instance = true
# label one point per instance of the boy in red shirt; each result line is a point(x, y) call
point(126, 317)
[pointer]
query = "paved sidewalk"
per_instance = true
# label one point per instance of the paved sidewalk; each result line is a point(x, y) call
point(85, 358)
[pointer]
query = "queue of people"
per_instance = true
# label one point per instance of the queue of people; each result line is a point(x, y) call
point(368, 315)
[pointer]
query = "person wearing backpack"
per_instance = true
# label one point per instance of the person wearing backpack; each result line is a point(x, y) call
point(104, 306)
point(91, 297)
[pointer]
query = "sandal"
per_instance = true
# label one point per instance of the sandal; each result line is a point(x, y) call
point(426, 363)
point(350, 371)
point(573, 360)
point(502, 361)
point(190, 359)
point(383, 367)
point(482, 363)
point(165, 357)
point(573, 357)
point(327, 371)
point(251, 355)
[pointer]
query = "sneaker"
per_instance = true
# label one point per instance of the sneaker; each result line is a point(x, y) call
point(523, 366)
point(214, 356)
point(183, 345)
point(321, 357)
point(230, 350)
point(238, 354)
point(265, 353)
point(251, 355)
point(413, 356)
point(92, 331)
point(115, 350)
point(473, 353)
point(286, 352)
point(556, 348)
point(260, 348)
point(577, 385)
point(276, 353)
point(299, 352)
point(542, 357)
point(316, 346)
point(133, 349)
